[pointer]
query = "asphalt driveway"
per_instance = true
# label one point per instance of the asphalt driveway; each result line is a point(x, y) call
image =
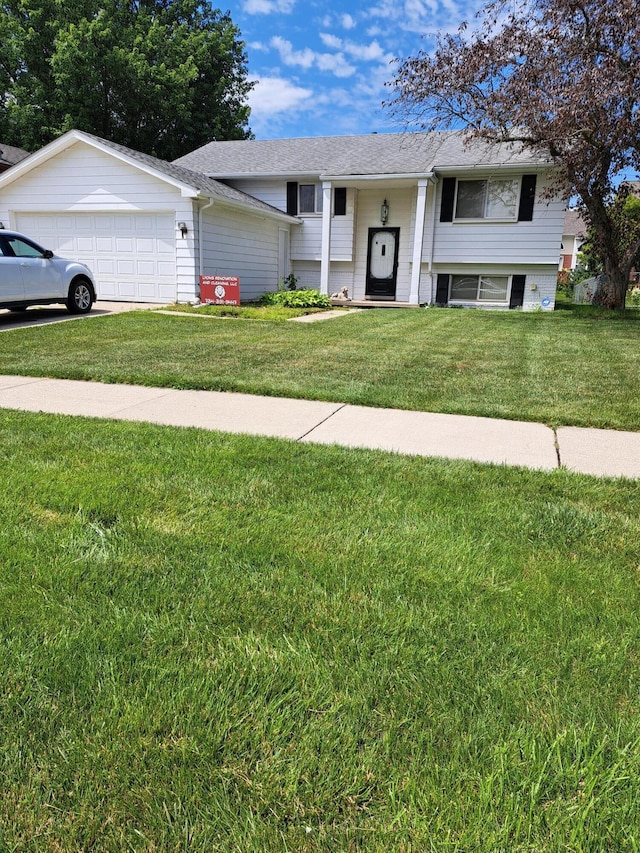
point(40, 315)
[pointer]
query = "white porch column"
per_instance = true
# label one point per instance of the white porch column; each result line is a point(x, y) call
point(325, 251)
point(418, 236)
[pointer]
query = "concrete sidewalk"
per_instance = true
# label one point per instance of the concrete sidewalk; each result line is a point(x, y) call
point(532, 445)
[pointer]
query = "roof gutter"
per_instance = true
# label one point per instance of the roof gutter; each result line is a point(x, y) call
point(492, 167)
point(389, 176)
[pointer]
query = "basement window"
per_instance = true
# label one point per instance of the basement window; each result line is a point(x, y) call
point(479, 288)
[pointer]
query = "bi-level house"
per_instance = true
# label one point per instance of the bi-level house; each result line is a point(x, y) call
point(414, 218)
point(408, 218)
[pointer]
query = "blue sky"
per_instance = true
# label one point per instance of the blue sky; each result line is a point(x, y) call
point(321, 67)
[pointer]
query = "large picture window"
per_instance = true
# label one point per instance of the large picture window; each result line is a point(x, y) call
point(479, 288)
point(495, 198)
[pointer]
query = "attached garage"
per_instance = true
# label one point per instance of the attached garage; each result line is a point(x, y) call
point(133, 257)
point(146, 228)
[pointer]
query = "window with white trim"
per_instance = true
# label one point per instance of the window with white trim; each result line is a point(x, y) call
point(479, 288)
point(494, 198)
point(310, 198)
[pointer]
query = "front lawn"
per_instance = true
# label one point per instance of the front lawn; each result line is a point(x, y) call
point(568, 367)
point(222, 643)
point(241, 312)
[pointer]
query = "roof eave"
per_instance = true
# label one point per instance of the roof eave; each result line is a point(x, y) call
point(269, 212)
point(382, 176)
point(72, 137)
point(532, 165)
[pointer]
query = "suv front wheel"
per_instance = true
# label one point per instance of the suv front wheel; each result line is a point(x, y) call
point(80, 297)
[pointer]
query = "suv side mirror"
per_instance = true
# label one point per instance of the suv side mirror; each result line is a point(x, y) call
point(47, 253)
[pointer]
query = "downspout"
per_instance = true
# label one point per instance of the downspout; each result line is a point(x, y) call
point(200, 241)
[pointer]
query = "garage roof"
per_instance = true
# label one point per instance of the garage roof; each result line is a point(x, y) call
point(190, 182)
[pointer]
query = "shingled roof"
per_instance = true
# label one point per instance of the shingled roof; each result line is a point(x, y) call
point(195, 181)
point(204, 184)
point(10, 155)
point(374, 154)
point(574, 223)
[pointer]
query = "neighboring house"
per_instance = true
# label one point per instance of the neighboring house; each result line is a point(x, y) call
point(413, 217)
point(147, 229)
point(9, 156)
point(409, 218)
point(574, 234)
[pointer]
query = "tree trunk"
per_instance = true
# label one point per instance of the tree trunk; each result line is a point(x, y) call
point(612, 293)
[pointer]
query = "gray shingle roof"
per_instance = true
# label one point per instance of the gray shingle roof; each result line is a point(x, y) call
point(374, 154)
point(11, 155)
point(574, 224)
point(202, 183)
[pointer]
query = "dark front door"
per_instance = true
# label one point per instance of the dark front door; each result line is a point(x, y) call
point(382, 263)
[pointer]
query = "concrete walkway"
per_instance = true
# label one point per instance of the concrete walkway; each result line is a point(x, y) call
point(532, 445)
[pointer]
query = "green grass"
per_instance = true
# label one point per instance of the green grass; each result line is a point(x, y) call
point(570, 367)
point(222, 643)
point(242, 312)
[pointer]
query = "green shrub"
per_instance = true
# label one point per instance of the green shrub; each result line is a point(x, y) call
point(633, 297)
point(297, 299)
point(290, 282)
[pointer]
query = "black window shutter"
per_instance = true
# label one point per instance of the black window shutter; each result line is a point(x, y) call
point(442, 289)
point(448, 199)
point(292, 198)
point(517, 291)
point(340, 201)
point(527, 198)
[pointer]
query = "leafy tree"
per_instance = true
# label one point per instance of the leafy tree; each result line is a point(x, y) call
point(561, 76)
point(160, 76)
point(624, 212)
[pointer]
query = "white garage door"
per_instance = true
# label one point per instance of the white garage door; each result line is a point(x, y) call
point(132, 255)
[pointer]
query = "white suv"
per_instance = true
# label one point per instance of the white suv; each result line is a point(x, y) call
point(31, 275)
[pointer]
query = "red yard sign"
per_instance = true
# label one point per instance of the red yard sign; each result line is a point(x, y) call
point(219, 290)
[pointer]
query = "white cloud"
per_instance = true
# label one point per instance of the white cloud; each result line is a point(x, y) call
point(424, 16)
point(331, 41)
point(346, 21)
point(306, 58)
point(372, 52)
point(266, 7)
point(272, 95)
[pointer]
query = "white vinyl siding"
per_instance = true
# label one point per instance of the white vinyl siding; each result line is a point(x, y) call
point(269, 190)
point(352, 275)
point(306, 239)
point(539, 292)
point(489, 242)
point(91, 206)
point(235, 244)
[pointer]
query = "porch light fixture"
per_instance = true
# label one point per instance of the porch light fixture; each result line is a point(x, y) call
point(183, 228)
point(384, 212)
